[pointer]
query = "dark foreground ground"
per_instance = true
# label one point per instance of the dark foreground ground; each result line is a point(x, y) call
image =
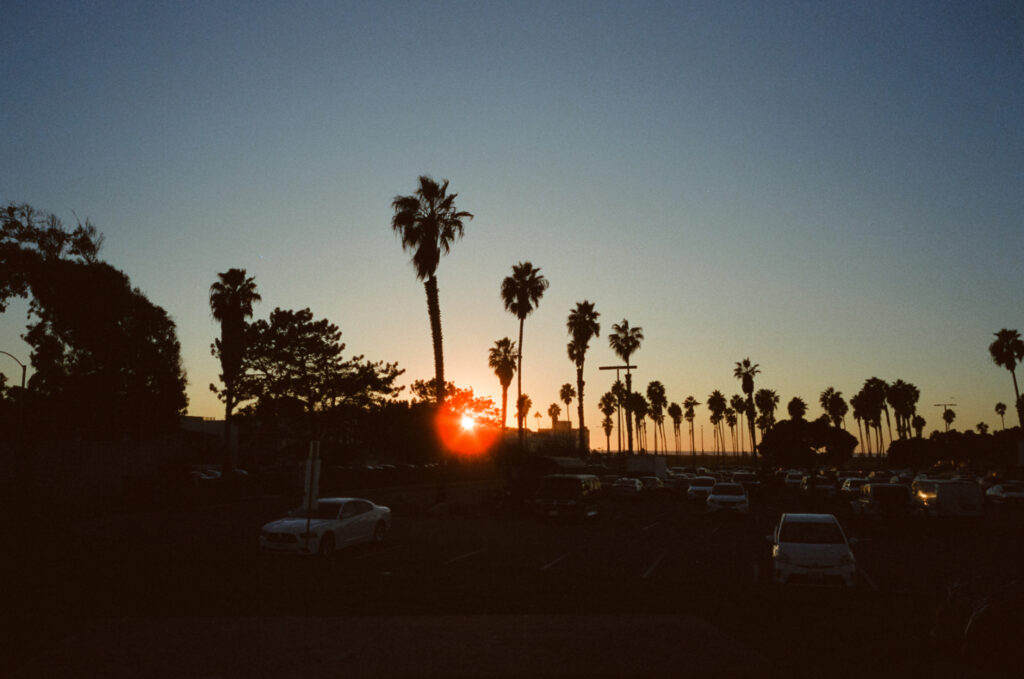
point(651, 588)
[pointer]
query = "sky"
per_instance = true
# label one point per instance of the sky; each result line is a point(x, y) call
point(832, 189)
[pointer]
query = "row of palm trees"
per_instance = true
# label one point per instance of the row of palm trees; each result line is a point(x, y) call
point(428, 222)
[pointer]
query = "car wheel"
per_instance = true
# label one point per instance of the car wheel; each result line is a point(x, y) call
point(326, 545)
point(379, 531)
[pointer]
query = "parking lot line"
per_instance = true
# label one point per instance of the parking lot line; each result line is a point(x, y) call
point(553, 563)
point(654, 565)
point(463, 556)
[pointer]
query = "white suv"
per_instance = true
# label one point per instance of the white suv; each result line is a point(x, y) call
point(811, 549)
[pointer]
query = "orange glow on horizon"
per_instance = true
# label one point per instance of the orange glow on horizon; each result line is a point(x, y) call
point(467, 425)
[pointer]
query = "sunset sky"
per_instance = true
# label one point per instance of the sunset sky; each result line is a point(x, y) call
point(834, 189)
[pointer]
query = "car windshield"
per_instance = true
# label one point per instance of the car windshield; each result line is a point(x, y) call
point(702, 482)
point(324, 510)
point(811, 532)
point(728, 489)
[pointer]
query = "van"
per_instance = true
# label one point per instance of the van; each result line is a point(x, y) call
point(572, 496)
point(936, 497)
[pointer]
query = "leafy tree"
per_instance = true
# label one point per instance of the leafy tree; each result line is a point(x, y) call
point(745, 371)
point(295, 362)
point(428, 222)
point(799, 443)
point(502, 360)
point(582, 326)
point(625, 341)
point(521, 292)
point(231, 300)
point(1007, 351)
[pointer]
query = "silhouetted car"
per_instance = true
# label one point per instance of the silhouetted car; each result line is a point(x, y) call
point(567, 496)
point(730, 497)
point(950, 498)
point(700, 488)
point(818, 485)
point(1008, 494)
point(811, 549)
point(749, 480)
point(653, 485)
point(850, 490)
point(882, 500)
point(333, 523)
point(627, 487)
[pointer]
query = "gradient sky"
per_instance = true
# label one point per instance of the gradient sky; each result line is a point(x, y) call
point(833, 189)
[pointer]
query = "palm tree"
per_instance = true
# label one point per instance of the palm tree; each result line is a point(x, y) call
point(717, 405)
point(521, 293)
point(1001, 411)
point(582, 326)
point(903, 397)
point(523, 405)
point(767, 401)
point(676, 413)
point(878, 390)
point(745, 372)
point(607, 424)
point(501, 358)
point(797, 408)
point(982, 428)
point(624, 341)
point(688, 414)
point(834, 406)
point(857, 403)
point(948, 416)
point(918, 423)
point(554, 410)
point(566, 394)
point(607, 405)
point(730, 420)
point(428, 224)
point(656, 397)
point(1007, 351)
point(618, 390)
point(537, 417)
point(739, 406)
point(640, 409)
point(231, 300)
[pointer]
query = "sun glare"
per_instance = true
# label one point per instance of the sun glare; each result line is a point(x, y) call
point(467, 422)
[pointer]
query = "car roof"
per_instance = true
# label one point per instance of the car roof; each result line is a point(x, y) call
point(809, 518)
point(333, 500)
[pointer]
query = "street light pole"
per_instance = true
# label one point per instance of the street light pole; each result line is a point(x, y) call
point(23, 367)
point(21, 399)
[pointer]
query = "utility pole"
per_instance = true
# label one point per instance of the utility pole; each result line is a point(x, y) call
point(945, 407)
point(618, 406)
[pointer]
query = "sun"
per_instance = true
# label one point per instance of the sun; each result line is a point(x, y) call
point(467, 422)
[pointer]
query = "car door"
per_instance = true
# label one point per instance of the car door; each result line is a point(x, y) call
point(364, 521)
point(348, 523)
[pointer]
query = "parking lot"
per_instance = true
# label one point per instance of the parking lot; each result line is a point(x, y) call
point(641, 562)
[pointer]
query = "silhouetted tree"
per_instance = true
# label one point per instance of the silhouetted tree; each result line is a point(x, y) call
point(566, 394)
point(521, 292)
point(739, 406)
point(624, 341)
point(502, 360)
point(689, 414)
point(745, 371)
point(1001, 411)
point(582, 326)
point(231, 300)
point(607, 405)
point(428, 223)
point(554, 410)
point(658, 402)
point(1007, 351)
point(767, 401)
point(948, 416)
point(716, 405)
point(903, 397)
point(676, 413)
point(918, 423)
point(797, 408)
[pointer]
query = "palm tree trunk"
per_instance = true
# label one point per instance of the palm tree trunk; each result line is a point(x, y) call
point(579, 407)
point(504, 407)
point(434, 310)
point(519, 386)
point(1017, 402)
point(229, 463)
point(750, 426)
point(629, 423)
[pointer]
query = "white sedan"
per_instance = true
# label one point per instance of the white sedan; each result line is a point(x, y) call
point(812, 549)
point(728, 496)
point(336, 522)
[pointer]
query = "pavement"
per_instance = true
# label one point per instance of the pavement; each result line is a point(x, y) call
point(399, 646)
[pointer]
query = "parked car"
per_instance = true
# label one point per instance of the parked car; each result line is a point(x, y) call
point(567, 496)
point(628, 487)
point(607, 481)
point(818, 485)
point(1008, 494)
point(729, 497)
point(700, 488)
point(653, 485)
point(879, 500)
point(793, 479)
point(748, 480)
point(811, 549)
point(333, 523)
point(941, 498)
point(850, 489)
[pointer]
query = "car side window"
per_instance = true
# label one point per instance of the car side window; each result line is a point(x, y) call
point(349, 510)
point(359, 507)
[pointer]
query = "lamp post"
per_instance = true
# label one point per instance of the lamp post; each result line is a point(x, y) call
point(23, 367)
point(21, 399)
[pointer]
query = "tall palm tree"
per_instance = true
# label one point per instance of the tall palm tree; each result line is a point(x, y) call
point(857, 403)
point(521, 293)
point(1007, 351)
point(231, 300)
point(739, 406)
point(689, 414)
point(745, 372)
point(566, 394)
point(554, 410)
point(717, 405)
point(656, 397)
point(834, 406)
point(640, 409)
point(523, 405)
point(607, 404)
point(878, 390)
point(618, 390)
point(624, 341)
point(918, 423)
point(1001, 411)
point(676, 413)
point(903, 397)
point(582, 326)
point(607, 423)
point(767, 401)
point(501, 358)
point(428, 223)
